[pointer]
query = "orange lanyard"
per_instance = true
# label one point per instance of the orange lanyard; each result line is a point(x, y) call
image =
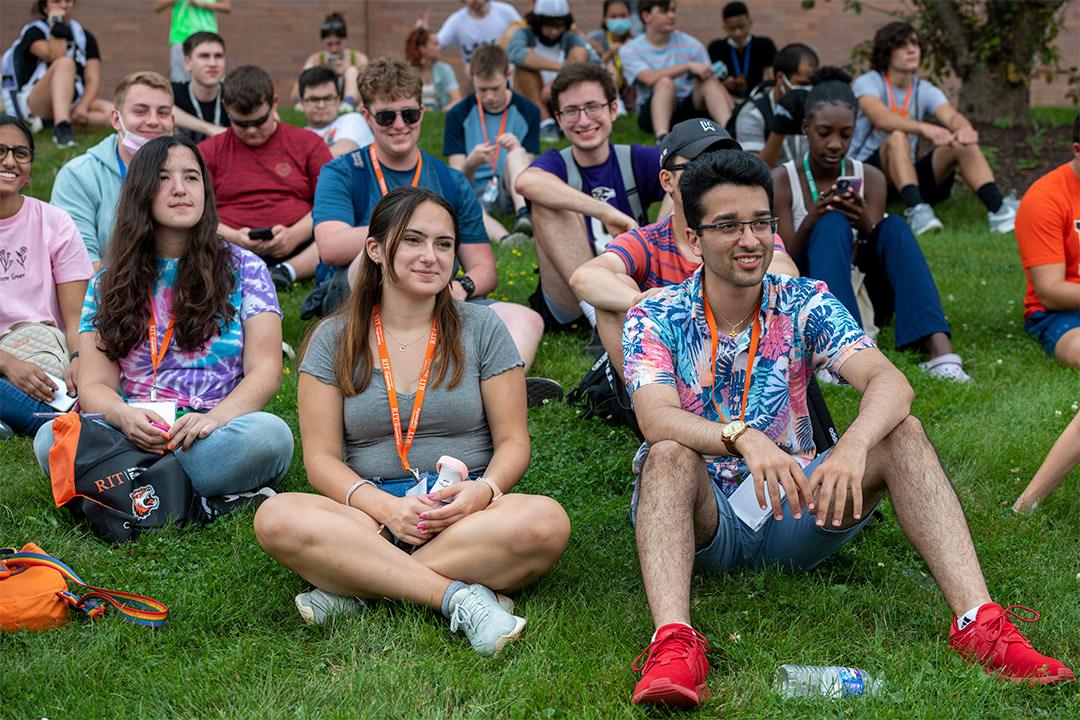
point(391, 393)
point(907, 96)
point(755, 335)
point(155, 356)
point(502, 127)
point(379, 174)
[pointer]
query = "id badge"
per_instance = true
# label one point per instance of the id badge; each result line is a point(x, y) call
point(165, 408)
point(491, 191)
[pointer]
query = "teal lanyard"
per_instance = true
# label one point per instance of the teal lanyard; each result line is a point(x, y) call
point(810, 175)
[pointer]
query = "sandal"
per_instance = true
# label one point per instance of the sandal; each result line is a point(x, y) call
point(947, 367)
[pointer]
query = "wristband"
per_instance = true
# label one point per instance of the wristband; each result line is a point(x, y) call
point(74, 355)
point(358, 483)
point(467, 285)
point(496, 493)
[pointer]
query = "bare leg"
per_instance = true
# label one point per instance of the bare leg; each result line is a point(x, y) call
point(305, 262)
point(100, 113)
point(1067, 349)
point(526, 327)
point(1059, 462)
point(969, 158)
point(352, 82)
point(938, 344)
point(676, 514)
point(54, 92)
point(562, 246)
point(609, 325)
point(712, 95)
point(895, 154)
point(493, 227)
point(662, 105)
point(516, 160)
point(528, 83)
point(336, 548)
point(907, 466)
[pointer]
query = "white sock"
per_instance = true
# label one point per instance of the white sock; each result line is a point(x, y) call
point(968, 617)
point(589, 311)
point(653, 639)
point(291, 269)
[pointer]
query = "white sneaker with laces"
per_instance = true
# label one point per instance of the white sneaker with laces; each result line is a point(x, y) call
point(317, 606)
point(1004, 219)
point(922, 219)
point(477, 613)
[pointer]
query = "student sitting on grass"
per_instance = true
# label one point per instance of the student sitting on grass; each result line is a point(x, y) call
point(1048, 234)
point(422, 50)
point(199, 110)
point(376, 530)
point(211, 311)
point(829, 229)
point(491, 137)
point(321, 99)
point(347, 64)
point(749, 58)
point(43, 272)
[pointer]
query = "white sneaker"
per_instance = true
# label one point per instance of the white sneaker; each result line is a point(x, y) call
point(1004, 219)
point(922, 219)
point(946, 367)
point(317, 606)
point(477, 613)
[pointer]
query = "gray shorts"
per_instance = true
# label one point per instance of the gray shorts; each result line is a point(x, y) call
point(790, 544)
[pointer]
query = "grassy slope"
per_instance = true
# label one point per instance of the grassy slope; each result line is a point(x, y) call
point(234, 646)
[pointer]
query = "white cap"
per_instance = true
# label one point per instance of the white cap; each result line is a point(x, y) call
point(551, 8)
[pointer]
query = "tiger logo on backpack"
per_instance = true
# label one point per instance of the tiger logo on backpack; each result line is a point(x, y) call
point(144, 501)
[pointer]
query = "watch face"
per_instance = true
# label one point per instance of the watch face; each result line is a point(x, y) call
point(734, 428)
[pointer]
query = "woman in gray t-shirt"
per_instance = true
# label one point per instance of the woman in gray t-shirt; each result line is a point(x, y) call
point(458, 388)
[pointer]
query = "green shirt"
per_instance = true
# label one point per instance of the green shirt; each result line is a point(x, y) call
point(188, 20)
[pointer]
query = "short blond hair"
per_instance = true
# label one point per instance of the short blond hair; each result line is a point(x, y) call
point(390, 78)
point(148, 78)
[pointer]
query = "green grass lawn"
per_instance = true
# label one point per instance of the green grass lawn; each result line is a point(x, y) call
point(234, 646)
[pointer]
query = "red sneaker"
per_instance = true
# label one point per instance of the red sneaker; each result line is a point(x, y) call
point(994, 642)
point(674, 672)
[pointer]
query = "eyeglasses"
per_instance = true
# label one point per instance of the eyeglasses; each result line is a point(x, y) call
point(592, 111)
point(386, 118)
point(680, 166)
point(22, 153)
point(733, 229)
point(252, 123)
point(324, 100)
point(335, 27)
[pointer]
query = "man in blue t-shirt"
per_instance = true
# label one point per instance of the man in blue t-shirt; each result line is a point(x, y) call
point(392, 89)
point(578, 208)
point(491, 137)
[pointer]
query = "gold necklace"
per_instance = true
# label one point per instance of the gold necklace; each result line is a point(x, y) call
point(734, 328)
point(401, 345)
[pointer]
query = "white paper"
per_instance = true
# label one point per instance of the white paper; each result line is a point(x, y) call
point(60, 402)
point(165, 408)
point(419, 488)
point(745, 504)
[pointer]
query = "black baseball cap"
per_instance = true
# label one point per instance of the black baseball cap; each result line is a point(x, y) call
point(691, 138)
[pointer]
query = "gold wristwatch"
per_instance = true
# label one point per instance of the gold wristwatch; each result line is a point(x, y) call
point(731, 433)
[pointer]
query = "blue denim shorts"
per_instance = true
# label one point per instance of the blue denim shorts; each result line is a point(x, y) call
point(398, 487)
point(1048, 327)
point(790, 544)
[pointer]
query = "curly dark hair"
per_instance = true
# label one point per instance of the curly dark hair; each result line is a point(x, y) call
point(887, 39)
point(205, 278)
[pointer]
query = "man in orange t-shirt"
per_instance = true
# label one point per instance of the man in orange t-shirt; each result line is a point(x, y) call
point(1048, 233)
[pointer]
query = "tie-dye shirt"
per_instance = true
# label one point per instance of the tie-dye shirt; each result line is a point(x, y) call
point(666, 340)
point(202, 378)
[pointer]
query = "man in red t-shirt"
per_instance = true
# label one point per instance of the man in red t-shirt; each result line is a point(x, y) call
point(1048, 234)
point(264, 173)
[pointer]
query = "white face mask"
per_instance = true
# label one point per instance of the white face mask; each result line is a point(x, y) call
point(129, 140)
point(791, 87)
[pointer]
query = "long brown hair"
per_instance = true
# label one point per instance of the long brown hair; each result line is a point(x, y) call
point(205, 276)
point(355, 360)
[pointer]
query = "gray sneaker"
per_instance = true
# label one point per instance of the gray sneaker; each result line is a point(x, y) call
point(1004, 219)
point(921, 218)
point(479, 615)
point(317, 606)
point(549, 133)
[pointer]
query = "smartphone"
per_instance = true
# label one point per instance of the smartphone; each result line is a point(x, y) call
point(848, 182)
point(264, 233)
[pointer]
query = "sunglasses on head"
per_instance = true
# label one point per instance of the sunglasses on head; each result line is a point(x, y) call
point(335, 27)
point(251, 123)
point(386, 118)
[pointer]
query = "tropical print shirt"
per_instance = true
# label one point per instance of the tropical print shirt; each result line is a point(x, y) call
point(666, 340)
point(201, 378)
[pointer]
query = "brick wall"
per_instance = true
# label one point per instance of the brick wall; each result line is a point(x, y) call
point(279, 34)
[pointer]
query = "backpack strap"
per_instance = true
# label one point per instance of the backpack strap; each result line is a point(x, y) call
point(623, 158)
point(137, 609)
point(359, 184)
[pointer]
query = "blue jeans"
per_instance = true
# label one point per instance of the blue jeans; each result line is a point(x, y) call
point(251, 451)
point(897, 276)
point(17, 409)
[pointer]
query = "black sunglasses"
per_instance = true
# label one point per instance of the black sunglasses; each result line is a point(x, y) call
point(251, 123)
point(335, 27)
point(386, 118)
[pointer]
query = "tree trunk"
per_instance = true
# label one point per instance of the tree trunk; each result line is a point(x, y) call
point(985, 97)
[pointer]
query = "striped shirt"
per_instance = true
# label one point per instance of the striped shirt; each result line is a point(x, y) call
point(638, 55)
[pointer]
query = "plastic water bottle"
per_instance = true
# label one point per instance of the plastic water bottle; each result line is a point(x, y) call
point(832, 682)
point(451, 470)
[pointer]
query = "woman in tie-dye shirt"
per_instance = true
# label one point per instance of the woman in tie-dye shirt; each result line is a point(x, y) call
point(208, 308)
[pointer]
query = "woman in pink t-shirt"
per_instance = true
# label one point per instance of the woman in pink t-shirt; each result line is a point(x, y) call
point(43, 272)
